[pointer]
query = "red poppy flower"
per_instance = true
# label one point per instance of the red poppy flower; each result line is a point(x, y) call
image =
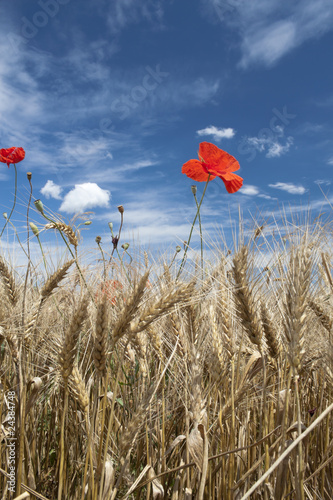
point(216, 163)
point(11, 155)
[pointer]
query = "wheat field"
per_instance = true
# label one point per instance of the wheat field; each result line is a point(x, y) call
point(129, 382)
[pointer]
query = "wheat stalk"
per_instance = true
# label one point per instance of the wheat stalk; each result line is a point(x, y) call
point(101, 336)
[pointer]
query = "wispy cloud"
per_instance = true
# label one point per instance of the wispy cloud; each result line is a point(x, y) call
point(51, 190)
point(330, 161)
point(322, 182)
point(84, 196)
point(217, 133)
point(266, 197)
point(81, 147)
point(270, 30)
point(288, 187)
point(271, 145)
point(125, 12)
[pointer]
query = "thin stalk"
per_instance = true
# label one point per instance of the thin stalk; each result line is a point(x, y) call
point(126, 252)
point(287, 451)
point(299, 460)
point(42, 251)
point(265, 411)
point(12, 210)
point(62, 444)
point(200, 229)
point(115, 247)
point(118, 237)
point(28, 248)
point(173, 258)
point(190, 235)
point(231, 471)
point(103, 258)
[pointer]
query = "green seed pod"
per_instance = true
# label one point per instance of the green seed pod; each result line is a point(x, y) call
point(39, 206)
point(34, 228)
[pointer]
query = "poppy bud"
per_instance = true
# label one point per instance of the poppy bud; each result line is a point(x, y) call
point(98, 239)
point(34, 228)
point(125, 246)
point(87, 223)
point(121, 209)
point(29, 175)
point(194, 189)
point(178, 248)
point(5, 215)
point(39, 206)
point(110, 226)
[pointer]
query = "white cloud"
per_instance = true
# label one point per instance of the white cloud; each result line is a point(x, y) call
point(271, 145)
point(269, 30)
point(276, 149)
point(249, 190)
point(289, 187)
point(217, 133)
point(51, 190)
point(84, 196)
point(330, 161)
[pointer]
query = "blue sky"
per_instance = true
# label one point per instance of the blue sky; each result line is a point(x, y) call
point(109, 99)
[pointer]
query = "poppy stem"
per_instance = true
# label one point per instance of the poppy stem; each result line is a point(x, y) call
point(8, 218)
point(190, 235)
point(200, 229)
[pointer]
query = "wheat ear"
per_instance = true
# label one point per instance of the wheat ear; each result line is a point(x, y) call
point(79, 389)
point(298, 284)
point(247, 305)
point(129, 310)
point(322, 314)
point(55, 279)
point(64, 228)
point(161, 307)
point(9, 282)
point(270, 332)
point(69, 348)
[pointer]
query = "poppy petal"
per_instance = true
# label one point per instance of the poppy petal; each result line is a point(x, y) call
point(217, 159)
point(232, 182)
point(11, 155)
point(195, 170)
